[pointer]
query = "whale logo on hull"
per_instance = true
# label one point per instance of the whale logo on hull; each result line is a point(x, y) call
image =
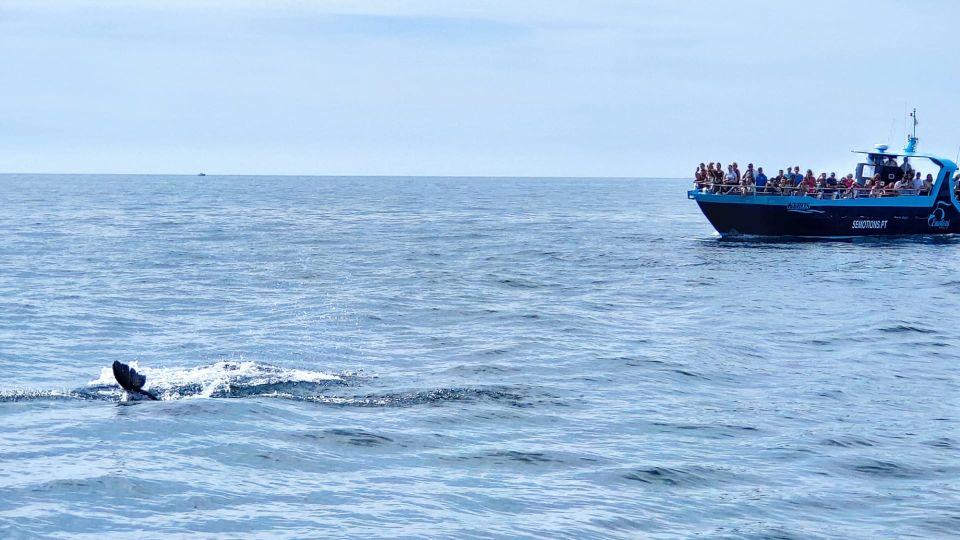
point(938, 218)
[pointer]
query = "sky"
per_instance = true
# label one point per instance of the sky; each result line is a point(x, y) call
point(469, 88)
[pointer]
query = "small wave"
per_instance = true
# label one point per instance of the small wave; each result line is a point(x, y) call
point(905, 328)
point(519, 283)
point(948, 524)
point(943, 442)
point(506, 457)
point(481, 369)
point(100, 393)
point(713, 431)
point(887, 469)
point(359, 437)
point(117, 484)
point(686, 373)
point(422, 397)
point(848, 442)
point(530, 458)
point(667, 476)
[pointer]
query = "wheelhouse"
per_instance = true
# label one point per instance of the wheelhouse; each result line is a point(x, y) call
point(895, 166)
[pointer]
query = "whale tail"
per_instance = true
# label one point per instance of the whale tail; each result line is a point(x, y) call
point(130, 380)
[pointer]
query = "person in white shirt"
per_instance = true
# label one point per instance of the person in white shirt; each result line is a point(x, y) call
point(732, 180)
point(901, 185)
point(917, 182)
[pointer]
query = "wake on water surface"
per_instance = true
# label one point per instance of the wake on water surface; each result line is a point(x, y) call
point(249, 379)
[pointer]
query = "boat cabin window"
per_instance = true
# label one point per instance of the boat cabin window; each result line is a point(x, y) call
point(889, 173)
point(886, 166)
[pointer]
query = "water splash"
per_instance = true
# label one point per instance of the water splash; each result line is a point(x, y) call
point(246, 379)
point(224, 379)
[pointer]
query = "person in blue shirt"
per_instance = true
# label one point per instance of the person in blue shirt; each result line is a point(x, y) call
point(761, 178)
point(830, 185)
point(797, 177)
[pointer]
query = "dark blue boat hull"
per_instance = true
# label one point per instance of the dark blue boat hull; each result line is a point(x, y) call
point(799, 216)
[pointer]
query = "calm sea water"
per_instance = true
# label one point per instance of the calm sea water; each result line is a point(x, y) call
point(468, 358)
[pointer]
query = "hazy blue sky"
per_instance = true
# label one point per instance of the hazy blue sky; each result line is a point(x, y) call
point(439, 87)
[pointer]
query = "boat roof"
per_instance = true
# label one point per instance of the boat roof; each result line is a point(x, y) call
point(904, 153)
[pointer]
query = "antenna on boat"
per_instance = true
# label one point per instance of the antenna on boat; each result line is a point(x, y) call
point(905, 118)
point(912, 138)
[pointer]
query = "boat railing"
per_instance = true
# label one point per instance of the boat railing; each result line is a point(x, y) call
point(838, 192)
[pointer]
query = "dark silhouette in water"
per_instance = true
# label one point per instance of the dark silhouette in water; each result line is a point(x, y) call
point(131, 381)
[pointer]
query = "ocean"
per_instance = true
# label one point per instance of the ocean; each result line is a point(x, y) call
point(463, 358)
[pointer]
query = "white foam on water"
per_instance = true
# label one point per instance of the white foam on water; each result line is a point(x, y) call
point(223, 375)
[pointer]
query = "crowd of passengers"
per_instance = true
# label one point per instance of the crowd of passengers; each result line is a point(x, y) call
point(711, 178)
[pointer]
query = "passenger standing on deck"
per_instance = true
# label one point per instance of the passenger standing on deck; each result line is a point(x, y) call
point(731, 181)
point(747, 183)
point(902, 186)
point(717, 177)
point(928, 185)
point(907, 169)
point(917, 182)
point(761, 179)
point(774, 185)
point(831, 191)
point(797, 177)
point(736, 169)
point(850, 186)
point(809, 184)
point(786, 182)
point(878, 186)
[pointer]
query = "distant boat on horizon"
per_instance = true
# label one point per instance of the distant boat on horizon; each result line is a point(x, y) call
point(202, 174)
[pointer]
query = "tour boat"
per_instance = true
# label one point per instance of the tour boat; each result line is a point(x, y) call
point(816, 215)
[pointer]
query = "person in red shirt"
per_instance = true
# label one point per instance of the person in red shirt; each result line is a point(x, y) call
point(850, 185)
point(700, 177)
point(809, 184)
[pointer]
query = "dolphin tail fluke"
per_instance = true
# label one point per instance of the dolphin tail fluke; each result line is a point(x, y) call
point(130, 380)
